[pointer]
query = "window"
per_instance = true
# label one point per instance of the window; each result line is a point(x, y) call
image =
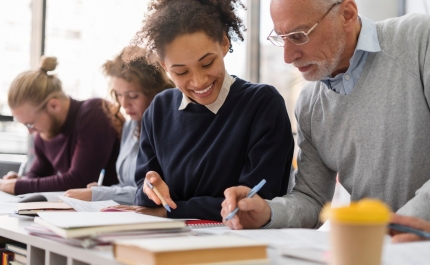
point(15, 29)
point(84, 34)
point(235, 62)
point(273, 70)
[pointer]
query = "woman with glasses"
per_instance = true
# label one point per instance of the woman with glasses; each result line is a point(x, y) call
point(74, 140)
point(134, 86)
point(216, 130)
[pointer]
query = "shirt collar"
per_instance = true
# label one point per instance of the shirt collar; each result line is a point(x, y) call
point(368, 39)
point(223, 93)
point(367, 42)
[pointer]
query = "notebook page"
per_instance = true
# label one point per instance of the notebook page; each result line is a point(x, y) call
point(85, 206)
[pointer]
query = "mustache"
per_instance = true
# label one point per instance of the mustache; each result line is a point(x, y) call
point(298, 64)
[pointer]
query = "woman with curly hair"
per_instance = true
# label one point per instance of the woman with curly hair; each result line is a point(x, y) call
point(133, 86)
point(216, 130)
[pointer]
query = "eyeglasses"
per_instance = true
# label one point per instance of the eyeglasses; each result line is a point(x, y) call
point(297, 38)
point(30, 126)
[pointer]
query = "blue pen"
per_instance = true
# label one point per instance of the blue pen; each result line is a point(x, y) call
point(407, 229)
point(251, 193)
point(163, 201)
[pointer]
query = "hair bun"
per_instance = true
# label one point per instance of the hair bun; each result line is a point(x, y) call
point(48, 63)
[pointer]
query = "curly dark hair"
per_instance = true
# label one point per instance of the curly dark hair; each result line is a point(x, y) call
point(168, 19)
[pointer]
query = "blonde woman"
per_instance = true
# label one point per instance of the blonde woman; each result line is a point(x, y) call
point(134, 85)
point(74, 140)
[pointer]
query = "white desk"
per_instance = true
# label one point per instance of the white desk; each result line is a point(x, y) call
point(46, 252)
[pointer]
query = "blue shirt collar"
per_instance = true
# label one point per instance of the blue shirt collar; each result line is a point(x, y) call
point(368, 39)
point(367, 42)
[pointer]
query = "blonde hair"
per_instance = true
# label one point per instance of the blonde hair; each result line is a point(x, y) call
point(36, 86)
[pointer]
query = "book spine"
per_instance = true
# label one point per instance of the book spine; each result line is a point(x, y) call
point(6, 257)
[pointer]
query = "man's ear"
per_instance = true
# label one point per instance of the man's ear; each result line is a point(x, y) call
point(53, 105)
point(350, 15)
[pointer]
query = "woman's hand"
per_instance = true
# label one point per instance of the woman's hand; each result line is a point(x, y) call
point(158, 211)
point(80, 194)
point(92, 184)
point(155, 179)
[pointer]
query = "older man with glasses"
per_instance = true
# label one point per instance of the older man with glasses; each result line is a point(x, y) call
point(365, 117)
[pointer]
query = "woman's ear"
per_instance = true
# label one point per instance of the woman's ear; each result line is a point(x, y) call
point(225, 44)
point(163, 65)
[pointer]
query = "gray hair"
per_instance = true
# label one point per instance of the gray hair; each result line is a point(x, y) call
point(323, 4)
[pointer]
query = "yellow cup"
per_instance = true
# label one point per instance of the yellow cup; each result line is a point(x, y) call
point(357, 232)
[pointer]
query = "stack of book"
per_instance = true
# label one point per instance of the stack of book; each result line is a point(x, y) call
point(87, 229)
point(14, 254)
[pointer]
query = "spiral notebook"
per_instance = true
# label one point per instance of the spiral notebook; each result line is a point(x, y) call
point(203, 223)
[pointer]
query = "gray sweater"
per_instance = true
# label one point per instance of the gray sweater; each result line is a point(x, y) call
point(377, 139)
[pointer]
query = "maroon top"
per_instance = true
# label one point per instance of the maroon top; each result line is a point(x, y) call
point(86, 144)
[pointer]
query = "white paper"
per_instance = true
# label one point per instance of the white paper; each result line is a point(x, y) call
point(288, 238)
point(407, 253)
point(8, 207)
point(6, 197)
point(84, 206)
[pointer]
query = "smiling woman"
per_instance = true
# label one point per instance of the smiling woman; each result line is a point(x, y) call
point(216, 130)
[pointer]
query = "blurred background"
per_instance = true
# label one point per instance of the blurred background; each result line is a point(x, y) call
point(84, 34)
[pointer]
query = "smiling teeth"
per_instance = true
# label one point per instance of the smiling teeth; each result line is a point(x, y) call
point(204, 90)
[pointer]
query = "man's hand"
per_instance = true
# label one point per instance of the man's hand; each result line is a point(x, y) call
point(80, 194)
point(158, 211)
point(400, 237)
point(155, 179)
point(253, 212)
point(8, 185)
point(11, 175)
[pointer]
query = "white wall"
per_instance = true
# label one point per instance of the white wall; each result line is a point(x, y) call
point(418, 6)
point(377, 10)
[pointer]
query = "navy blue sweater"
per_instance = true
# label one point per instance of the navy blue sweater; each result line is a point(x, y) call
point(199, 154)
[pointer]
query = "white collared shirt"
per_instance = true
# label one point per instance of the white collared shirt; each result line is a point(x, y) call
point(223, 93)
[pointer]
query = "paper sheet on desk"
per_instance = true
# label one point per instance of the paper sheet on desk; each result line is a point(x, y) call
point(284, 238)
point(84, 206)
point(8, 207)
point(6, 197)
point(407, 253)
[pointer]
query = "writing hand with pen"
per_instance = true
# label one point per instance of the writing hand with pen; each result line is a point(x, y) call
point(160, 187)
point(416, 229)
point(252, 210)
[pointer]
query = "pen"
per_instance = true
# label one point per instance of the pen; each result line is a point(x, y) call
point(251, 193)
point(407, 229)
point(101, 177)
point(163, 201)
